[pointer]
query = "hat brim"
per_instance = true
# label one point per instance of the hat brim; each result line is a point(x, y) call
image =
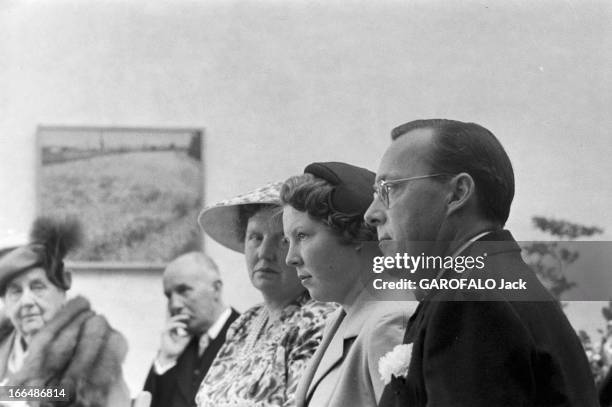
point(221, 221)
point(18, 261)
point(12, 241)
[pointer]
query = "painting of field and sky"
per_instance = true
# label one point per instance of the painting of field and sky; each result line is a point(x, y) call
point(137, 192)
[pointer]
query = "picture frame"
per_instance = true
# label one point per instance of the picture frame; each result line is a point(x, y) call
point(137, 191)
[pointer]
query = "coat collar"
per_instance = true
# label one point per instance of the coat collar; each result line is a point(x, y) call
point(342, 330)
point(312, 374)
point(357, 314)
point(5, 350)
point(189, 359)
point(328, 354)
point(496, 242)
point(493, 243)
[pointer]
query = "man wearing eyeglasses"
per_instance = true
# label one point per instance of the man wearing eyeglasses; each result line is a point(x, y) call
point(444, 188)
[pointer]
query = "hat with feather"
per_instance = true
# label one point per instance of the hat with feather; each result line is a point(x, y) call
point(50, 240)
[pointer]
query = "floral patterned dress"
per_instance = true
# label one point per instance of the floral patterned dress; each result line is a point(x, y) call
point(260, 363)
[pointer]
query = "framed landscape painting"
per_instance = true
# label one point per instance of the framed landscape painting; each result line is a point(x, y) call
point(136, 191)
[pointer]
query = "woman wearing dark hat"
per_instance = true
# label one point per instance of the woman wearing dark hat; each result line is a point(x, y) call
point(332, 249)
point(47, 340)
point(267, 347)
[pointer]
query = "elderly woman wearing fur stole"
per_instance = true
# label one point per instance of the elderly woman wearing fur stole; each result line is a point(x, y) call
point(47, 340)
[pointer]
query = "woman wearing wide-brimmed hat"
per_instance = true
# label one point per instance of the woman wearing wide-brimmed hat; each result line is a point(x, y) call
point(268, 346)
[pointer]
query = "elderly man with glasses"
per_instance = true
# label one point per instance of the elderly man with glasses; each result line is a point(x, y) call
point(444, 188)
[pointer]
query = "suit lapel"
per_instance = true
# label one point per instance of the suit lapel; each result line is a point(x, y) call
point(189, 362)
point(185, 365)
point(208, 357)
point(5, 351)
point(339, 340)
point(330, 356)
point(303, 392)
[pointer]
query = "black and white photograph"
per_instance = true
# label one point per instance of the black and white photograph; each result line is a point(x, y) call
point(268, 203)
point(140, 189)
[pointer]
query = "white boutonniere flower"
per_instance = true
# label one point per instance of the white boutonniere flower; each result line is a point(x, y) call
point(395, 363)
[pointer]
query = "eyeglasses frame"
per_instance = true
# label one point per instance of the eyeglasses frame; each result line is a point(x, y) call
point(384, 185)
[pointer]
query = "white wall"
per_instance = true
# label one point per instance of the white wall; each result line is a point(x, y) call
point(134, 304)
point(280, 84)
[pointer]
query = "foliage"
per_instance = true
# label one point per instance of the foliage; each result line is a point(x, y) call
point(550, 261)
point(594, 354)
point(564, 229)
point(600, 355)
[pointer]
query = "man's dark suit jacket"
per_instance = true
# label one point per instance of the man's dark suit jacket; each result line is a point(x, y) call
point(179, 385)
point(493, 348)
point(605, 390)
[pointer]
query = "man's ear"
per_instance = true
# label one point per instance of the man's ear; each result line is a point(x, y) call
point(217, 285)
point(462, 189)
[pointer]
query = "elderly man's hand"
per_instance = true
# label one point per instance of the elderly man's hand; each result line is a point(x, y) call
point(174, 339)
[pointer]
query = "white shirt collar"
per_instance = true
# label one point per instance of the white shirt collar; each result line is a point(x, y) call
point(217, 326)
point(17, 355)
point(467, 244)
point(463, 247)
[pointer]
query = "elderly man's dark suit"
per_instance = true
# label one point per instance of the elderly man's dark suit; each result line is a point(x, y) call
point(493, 348)
point(179, 385)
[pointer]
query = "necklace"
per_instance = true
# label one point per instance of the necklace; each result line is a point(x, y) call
point(255, 330)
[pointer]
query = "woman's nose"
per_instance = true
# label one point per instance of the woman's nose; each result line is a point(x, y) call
point(375, 215)
point(268, 249)
point(293, 259)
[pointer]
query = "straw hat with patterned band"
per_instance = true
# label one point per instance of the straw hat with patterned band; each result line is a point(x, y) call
point(222, 221)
